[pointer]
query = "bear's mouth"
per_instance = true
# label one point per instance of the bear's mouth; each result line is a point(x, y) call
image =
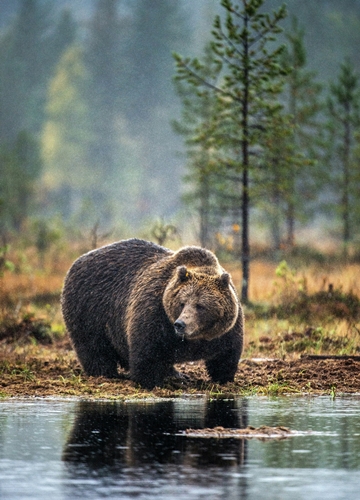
point(183, 333)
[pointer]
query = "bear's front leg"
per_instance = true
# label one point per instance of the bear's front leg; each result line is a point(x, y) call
point(149, 372)
point(222, 366)
point(151, 350)
point(151, 361)
point(220, 370)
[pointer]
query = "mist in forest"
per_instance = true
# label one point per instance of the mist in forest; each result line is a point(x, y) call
point(87, 100)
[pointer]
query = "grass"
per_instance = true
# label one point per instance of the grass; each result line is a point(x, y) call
point(312, 310)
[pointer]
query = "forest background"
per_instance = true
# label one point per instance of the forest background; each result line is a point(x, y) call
point(87, 133)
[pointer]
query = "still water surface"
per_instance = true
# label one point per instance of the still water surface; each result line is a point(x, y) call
point(51, 449)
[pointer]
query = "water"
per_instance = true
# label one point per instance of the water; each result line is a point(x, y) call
point(51, 449)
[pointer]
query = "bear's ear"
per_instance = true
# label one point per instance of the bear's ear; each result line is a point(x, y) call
point(225, 280)
point(182, 273)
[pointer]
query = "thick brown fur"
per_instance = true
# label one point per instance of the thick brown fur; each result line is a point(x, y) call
point(144, 308)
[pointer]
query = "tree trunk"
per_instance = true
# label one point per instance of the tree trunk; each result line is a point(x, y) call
point(290, 224)
point(204, 212)
point(245, 255)
point(275, 218)
point(346, 186)
point(245, 236)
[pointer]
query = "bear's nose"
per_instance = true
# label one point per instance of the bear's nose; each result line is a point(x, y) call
point(179, 326)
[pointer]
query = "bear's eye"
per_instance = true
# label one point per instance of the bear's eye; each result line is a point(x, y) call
point(182, 305)
point(200, 307)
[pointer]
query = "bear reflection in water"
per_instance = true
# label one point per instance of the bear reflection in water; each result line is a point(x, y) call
point(119, 436)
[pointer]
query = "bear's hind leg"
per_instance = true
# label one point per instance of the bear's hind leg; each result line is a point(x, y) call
point(98, 360)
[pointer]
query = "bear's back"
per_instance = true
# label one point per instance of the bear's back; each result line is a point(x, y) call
point(115, 263)
point(101, 277)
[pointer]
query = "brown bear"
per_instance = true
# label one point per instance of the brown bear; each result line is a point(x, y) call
point(142, 307)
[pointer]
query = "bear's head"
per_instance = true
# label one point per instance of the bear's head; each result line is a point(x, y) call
point(200, 303)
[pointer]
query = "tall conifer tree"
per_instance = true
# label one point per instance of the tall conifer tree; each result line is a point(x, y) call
point(67, 136)
point(20, 167)
point(29, 53)
point(197, 125)
point(105, 66)
point(252, 78)
point(344, 110)
point(304, 104)
point(158, 28)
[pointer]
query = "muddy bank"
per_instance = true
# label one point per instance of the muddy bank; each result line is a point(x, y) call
point(54, 371)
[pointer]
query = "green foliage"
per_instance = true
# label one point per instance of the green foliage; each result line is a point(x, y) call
point(277, 388)
point(333, 392)
point(290, 285)
point(277, 183)
point(99, 135)
point(46, 233)
point(198, 127)
point(5, 263)
point(162, 232)
point(30, 48)
point(66, 135)
point(20, 167)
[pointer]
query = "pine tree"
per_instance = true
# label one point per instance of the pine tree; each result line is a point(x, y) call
point(22, 71)
point(29, 51)
point(156, 31)
point(20, 167)
point(273, 182)
point(197, 128)
point(282, 162)
point(67, 136)
point(344, 110)
point(157, 28)
point(27, 58)
point(65, 32)
point(303, 95)
point(252, 78)
point(104, 57)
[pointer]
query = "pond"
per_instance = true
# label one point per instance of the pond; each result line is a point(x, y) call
point(67, 449)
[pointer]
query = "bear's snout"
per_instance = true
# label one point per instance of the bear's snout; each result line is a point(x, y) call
point(180, 326)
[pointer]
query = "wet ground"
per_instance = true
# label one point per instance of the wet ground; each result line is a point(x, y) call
point(54, 371)
point(69, 449)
